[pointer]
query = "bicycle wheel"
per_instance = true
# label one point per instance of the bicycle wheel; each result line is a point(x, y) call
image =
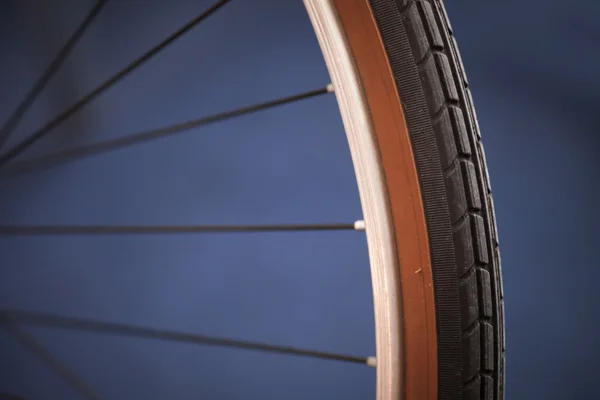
point(424, 188)
point(425, 193)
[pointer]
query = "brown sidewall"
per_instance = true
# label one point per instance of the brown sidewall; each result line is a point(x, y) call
point(410, 229)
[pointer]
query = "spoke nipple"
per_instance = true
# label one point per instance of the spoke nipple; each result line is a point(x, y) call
point(330, 87)
point(359, 225)
point(372, 362)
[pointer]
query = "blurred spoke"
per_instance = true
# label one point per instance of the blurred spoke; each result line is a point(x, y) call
point(12, 122)
point(25, 144)
point(33, 230)
point(80, 324)
point(140, 137)
point(41, 353)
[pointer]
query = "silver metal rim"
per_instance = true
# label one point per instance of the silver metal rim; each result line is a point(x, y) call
point(373, 195)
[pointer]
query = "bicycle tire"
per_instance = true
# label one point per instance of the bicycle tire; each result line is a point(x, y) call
point(435, 103)
point(426, 196)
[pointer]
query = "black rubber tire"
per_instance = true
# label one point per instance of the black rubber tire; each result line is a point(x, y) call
point(456, 194)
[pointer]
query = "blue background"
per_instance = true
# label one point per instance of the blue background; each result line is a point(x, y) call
point(533, 71)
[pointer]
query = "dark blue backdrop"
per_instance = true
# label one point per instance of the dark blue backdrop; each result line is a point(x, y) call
point(533, 69)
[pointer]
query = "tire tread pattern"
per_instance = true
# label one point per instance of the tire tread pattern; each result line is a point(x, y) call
point(468, 193)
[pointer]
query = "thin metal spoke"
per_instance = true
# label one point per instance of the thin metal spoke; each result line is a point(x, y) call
point(45, 356)
point(13, 121)
point(26, 143)
point(34, 230)
point(80, 324)
point(140, 137)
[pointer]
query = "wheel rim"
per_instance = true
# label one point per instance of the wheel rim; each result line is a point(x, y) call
point(390, 195)
point(374, 199)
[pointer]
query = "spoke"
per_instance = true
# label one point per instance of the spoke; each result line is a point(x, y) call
point(22, 146)
point(139, 137)
point(45, 356)
point(13, 121)
point(35, 230)
point(80, 324)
